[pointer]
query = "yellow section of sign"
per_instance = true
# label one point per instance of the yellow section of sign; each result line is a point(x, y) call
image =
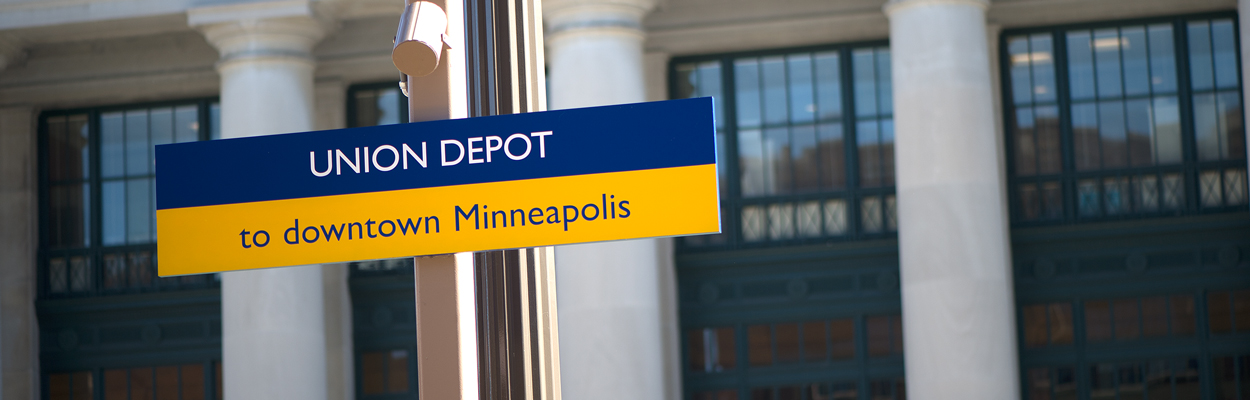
point(487, 216)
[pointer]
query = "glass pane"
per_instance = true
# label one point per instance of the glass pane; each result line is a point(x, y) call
point(192, 382)
point(773, 74)
point(1097, 320)
point(1235, 186)
point(1182, 312)
point(58, 387)
point(141, 386)
point(1188, 381)
point(726, 355)
point(1241, 311)
point(805, 153)
point(865, 76)
point(138, 161)
point(747, 92)
point(1232, 133)
point(1140, 134)
point(885, 85)
point(1167, 128)
point(79, 274)
point(1102, 382)
point(1030, 202)
point(787, 336)
point(802, 98)
point(1111, 130)
point(1049, 152)
point(70, 206)
point(1158, 380)
point(808, 219)
point(1219, 312)
point(214, 115)
point(161, 125)
point(685, 81)
point(695, 352)
point(1034, 325)
point(1136, 70)
point(397, 372)
point(115, 384)
point(1201, 68)
point(187, 123)
point(1038, 384)
point(832, 151)
point(1130, 382)
point(1021, 77)
point(781, 221)
point(756, 179)
point(139, 211)
point(777, 160)
point(1146, 192)
point(842, 338)
point(1224, 49)
point(815, 346)
point(1085, 136)
point(753, 221)
point(835, 217)
point(1087, 196)
point(710, 85)
point(114, 212)
point(1162, 59)
point(1154, 311)
point(1127, 319)
point(167, 383)
point(112, 144)
point(1116, 196)
point(828, 85)
point(870, 214)
point(1225, 374)
point(1043, 67)
point(880, 342)
point(1080, 66)
point(759, 345)
point(69, 152)
point(366, 108)
point(870, 159)
point(372, 372)
point(388, 106)
point(1026, 146)
point(1059, 317)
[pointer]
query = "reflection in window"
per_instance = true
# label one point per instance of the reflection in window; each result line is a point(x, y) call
point(1136, 318)
point(809, 165)
point(384, 372)
point(711, 349)
point(1047, 324)
point(1232, 377)
point(1124, 106)
point(1154, 379)
point(104, 160)
point(885, 335)
point(1229, 311)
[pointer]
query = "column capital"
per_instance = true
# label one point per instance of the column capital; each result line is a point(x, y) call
point(276, 30)
point(569, 15)
point(896, 5)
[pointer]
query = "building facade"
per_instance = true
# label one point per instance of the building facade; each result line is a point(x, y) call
point(946, 199)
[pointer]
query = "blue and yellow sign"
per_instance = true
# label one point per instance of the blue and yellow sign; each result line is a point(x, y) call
point(511, 181)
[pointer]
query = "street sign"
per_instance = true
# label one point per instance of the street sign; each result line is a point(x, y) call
point(521, 180)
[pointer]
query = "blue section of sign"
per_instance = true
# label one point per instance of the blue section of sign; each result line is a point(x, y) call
point(582, 141)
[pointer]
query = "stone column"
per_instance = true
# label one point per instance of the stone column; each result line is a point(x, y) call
point(273, 320)
point(609, 294)
point(958, 305)
point(19, 329)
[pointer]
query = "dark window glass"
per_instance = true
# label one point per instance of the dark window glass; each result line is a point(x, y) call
point(842, 338)
point(815, 341)
point(1219, 312)
point(711, 349)
point(1127, 154)
point(759, 345)
point(113, 251)
point(726, 394)
point(806, 161)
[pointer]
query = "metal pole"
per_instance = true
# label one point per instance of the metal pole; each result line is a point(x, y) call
point(518, 339)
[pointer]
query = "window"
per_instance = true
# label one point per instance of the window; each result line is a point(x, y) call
point(98, 201)
point(195, 381)
point(806, 142)
point(778, 348)
point(1124, 120)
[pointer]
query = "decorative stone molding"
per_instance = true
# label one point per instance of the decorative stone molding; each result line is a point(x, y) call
point(277, 31)
point(896, 5)
point(595, 16)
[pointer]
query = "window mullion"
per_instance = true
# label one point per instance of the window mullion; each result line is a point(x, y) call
point(1184, 89)
point(850, 137)
point(733, 173)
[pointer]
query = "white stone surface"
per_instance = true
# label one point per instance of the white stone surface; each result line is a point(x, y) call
point(958, 305)
point(273, 320)
point(611, 319)
point(19, 328)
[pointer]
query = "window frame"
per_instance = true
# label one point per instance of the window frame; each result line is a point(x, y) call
point(1190, 165)
point(732, 203)
point(95, 250)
